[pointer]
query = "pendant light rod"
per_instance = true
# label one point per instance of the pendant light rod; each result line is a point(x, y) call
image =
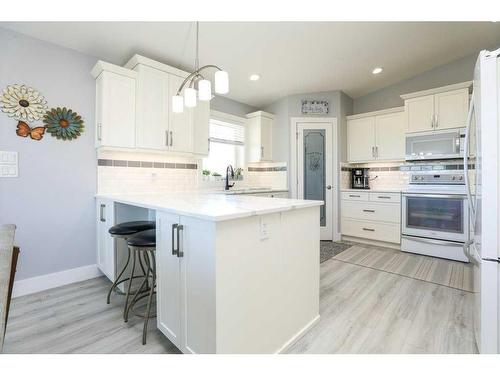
point(196, 73)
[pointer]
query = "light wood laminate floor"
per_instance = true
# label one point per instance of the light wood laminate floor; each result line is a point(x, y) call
point(363, 310)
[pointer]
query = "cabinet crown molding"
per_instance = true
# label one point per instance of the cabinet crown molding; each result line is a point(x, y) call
point(260, 113)
point(437, 90)
point(376, 113)
point(142, 60)
point(102, 66)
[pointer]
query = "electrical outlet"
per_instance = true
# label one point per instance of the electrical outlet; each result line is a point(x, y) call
point(264, 229)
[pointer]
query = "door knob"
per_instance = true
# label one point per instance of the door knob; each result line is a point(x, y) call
point(329, 187)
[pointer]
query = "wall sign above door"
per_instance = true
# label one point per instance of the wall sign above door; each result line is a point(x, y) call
point(315, 107)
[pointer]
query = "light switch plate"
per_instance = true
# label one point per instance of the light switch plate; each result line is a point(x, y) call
point(9, 166)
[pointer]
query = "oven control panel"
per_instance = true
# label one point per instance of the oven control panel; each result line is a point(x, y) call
point(438, 179)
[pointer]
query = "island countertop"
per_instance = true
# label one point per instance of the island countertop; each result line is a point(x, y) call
point(211, 206)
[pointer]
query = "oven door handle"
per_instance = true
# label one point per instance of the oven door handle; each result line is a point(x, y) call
point(431, 241)
point(425, 195)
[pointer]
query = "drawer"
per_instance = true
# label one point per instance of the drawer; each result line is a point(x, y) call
point(355, 196)
point(387, 232)
point(385, 197)
point(371, 211)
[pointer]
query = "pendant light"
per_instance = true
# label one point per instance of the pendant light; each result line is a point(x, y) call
point(197, 80)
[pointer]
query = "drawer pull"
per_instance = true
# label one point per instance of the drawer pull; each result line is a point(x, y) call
point(369, 229)
point(383, 197)
point(354, 196)
point(368, 210)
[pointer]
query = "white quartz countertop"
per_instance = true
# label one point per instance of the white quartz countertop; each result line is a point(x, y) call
point(377, 190)
point(211, 206)
point(252, 191)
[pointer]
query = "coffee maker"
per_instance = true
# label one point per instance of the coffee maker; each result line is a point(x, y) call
point(359, 178)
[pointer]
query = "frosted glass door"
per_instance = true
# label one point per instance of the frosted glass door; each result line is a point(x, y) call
point(314, 168)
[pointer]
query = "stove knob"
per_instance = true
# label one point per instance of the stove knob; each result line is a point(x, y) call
point(453, 178)
point(461, 178)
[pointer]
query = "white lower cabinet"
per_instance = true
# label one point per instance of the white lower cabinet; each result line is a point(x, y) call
point(105, 243)
point(186, 282)
point(371, 215)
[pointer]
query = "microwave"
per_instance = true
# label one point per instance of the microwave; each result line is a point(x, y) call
point(443, 144)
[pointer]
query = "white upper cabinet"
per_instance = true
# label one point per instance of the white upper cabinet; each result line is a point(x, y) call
point(180, 125)
point(420, 113)
point(259, 136)
point(115, 105)
point(152, 108)
point(376, 136)
point(451, 109)
point(361, 139)
point(437, 109)
point(200, 119)
point(390, 136)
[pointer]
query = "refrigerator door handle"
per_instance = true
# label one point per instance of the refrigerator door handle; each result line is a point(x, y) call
point(466, 160)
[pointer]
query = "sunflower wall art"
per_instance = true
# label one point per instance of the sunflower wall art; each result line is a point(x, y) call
point(26, 105)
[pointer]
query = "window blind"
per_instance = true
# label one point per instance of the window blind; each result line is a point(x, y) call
point(226, 132)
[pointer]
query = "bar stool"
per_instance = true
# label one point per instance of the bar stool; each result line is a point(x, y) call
point(125, 231)
point(143, 243)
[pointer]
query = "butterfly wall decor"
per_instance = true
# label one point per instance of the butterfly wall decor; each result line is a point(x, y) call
point(25, 104)
point(24, 130)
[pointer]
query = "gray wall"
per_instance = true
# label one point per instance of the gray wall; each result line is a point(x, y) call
point(388, 97)
point(52, 201)
point(226, 105)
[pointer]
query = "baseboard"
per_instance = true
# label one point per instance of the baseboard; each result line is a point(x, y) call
point(372, 242)
point(53, 280)
point(298, 335)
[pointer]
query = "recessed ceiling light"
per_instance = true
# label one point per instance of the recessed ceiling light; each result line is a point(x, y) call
point(254, 77)
point(377, 70)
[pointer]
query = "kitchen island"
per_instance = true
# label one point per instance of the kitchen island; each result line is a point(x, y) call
point(235, 273)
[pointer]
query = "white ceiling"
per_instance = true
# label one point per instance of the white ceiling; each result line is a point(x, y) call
point(291, 57)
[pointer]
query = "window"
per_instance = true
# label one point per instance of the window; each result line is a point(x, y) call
point(227, 145)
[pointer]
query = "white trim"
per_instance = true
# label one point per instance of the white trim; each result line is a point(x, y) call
point(335, 165)
point(437, 90)
point(227, 117)
point(103, 66)
point(371, 242)
point(53, 280)
point(298, 335)
point(261, 113)
point(138, 59)
point(376, 113)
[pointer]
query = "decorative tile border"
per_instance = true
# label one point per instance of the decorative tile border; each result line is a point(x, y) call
point(412, 168)
point(144, 164)
point(267, 169)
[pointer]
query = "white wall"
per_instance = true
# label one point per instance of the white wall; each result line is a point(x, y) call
point(52, 201)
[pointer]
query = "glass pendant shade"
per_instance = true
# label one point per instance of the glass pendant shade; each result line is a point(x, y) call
point(204, 90)
point(177, 104)
point(190, 97)
point(221, 82)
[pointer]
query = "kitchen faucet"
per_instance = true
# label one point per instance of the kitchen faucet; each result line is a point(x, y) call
point(228, 185)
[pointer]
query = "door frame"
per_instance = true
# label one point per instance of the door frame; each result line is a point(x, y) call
point(293, 182)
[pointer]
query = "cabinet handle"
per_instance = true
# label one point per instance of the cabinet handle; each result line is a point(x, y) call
point(171, 138)
point(180, 253)
point(174, 227)
point(354, 196)
point(383, 197)
point(369, 229)
point(99, 132)
point(101, 213)
point(262, 151)
point(432, 121)
point(166, 137)
point(376, 152)
point(373, 151)
point(436, 122)
point(368, 210)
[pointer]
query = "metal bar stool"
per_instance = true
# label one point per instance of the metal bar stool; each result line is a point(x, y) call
point(143, 243)
point(125, 231)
